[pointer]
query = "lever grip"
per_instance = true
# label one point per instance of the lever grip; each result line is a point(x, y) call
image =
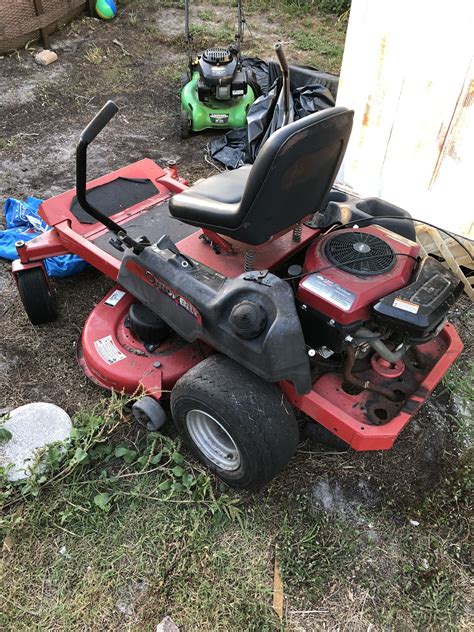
point(98, 123)
point(281, 57)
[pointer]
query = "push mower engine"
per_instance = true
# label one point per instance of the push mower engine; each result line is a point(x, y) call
point(371, 311)
point(220, 75)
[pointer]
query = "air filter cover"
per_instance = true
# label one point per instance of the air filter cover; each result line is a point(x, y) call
point(217, 55)
point(360, 253)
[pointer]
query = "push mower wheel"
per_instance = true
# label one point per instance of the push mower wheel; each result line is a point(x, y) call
point(240, 426)
point(184, 125)
point(36, 296)
point(184, 79)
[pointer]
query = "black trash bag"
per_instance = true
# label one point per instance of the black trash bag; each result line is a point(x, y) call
point(231, 149)
point(311, 91)
point(264, 117)
point(259, 69)
point(312, 98)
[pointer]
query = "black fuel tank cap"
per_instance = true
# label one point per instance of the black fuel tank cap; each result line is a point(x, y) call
point(248, 319)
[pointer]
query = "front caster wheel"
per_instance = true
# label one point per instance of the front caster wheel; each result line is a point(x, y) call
point(237, 424)
point(149, 413)
point(36, 296)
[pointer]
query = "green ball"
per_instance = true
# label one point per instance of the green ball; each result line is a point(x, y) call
point(106, 9)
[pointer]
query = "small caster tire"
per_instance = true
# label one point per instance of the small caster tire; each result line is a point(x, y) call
point(36, 296)
point(149, 413)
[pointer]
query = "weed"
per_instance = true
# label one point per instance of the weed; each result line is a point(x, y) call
point(305, 40)
point(460, 383)
point(94, 55)
point(7, 143)
point(207, 16)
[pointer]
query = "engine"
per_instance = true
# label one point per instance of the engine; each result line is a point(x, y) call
point(368, 291)
point(220, 75)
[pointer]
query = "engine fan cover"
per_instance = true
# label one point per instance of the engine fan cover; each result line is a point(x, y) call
point(353, 268)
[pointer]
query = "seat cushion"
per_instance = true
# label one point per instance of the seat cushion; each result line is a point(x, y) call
point(214, 201)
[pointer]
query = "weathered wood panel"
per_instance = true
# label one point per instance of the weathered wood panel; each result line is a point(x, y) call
point(408, 72)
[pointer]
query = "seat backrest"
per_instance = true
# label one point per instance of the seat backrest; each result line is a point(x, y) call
point(293, 173)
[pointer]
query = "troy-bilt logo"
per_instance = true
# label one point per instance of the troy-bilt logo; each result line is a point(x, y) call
point(151, 279)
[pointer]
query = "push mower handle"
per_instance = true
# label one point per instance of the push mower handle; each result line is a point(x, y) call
point(285, 73)
point(98, 123)
point(281, 58)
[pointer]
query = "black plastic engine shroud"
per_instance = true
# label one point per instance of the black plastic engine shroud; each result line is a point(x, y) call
point(197, 302)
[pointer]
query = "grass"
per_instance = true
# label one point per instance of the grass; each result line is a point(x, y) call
point(7, 143)
point(124, 531)
point(305, 40)
point(207, 15)
point(105, 543)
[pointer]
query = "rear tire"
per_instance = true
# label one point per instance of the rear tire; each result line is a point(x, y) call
point(240, 426)
point(36, 296)
point(184, 125)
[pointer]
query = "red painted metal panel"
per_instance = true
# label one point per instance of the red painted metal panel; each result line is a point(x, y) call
point(338, 412)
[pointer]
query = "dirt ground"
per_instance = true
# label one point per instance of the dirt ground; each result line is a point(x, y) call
point(43, 111)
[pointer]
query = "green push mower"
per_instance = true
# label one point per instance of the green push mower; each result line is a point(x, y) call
point(216, 92)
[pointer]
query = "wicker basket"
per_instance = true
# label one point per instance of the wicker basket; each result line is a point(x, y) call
point(24, 20)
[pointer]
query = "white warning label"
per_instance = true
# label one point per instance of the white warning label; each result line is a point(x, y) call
point(407, 306)
point(108, 350)
point(115, 297)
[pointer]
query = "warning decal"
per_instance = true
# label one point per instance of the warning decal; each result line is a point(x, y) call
point(407, 306)
point(108, 350)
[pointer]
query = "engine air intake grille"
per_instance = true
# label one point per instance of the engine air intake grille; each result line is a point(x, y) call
point(360, 253)
point(217, 55)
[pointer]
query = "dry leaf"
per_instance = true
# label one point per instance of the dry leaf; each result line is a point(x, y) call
point(277, 591)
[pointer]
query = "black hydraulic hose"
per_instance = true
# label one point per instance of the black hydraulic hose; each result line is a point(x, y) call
point(366, 334)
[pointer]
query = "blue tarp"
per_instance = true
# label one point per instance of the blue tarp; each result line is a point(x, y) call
point(24, 223)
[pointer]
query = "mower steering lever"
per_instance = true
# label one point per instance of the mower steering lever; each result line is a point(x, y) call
point(88, 135)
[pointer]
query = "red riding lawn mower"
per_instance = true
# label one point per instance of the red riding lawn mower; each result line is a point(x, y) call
point(250, 294)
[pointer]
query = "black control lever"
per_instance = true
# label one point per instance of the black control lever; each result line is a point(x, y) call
point(88, 135)
point(166, 243)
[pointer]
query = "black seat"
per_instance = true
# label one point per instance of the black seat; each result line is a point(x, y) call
point(290, 179)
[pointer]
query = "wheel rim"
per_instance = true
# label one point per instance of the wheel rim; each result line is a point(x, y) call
point(213, 440)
